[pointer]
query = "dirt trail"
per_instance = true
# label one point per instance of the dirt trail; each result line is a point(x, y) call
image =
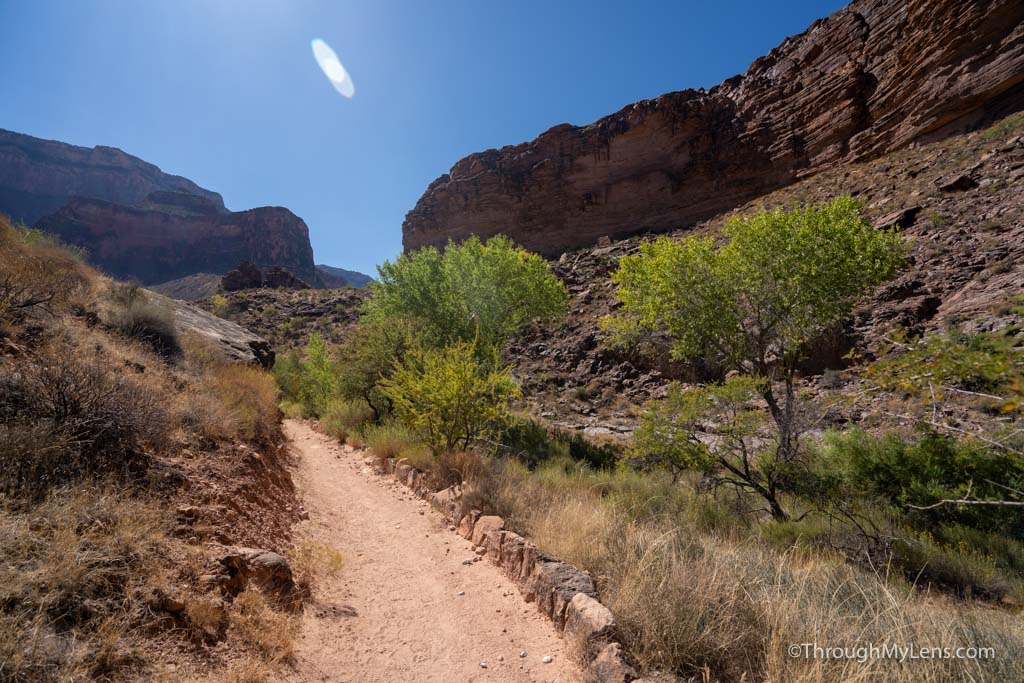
point(404, 607)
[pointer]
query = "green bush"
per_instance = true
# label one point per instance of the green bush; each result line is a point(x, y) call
point(368, 358)
point(389, 439)
point(310, 380)
point(342, 418)
point(921, 473)
point(471, 291)
point(448, 398)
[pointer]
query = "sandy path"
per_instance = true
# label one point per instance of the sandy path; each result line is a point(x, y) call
point(394, 612)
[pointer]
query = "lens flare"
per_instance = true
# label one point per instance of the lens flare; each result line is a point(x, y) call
point(332, 68)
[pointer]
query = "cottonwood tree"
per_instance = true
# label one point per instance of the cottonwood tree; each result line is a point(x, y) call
point(474, 291)
point(759, 301)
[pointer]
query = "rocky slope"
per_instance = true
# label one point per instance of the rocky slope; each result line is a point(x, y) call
point(957, 204)
point(868, 80)
point(173, 234)
point(37, 177)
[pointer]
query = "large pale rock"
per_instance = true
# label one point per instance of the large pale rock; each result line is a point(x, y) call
point(484, 525)
point(446, 501)
point(588, 622)
point(869, 79)
point(234, 341)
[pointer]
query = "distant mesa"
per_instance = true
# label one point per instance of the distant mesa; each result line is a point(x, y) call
point(339, 277)
point(136, 222)
point(870, 79)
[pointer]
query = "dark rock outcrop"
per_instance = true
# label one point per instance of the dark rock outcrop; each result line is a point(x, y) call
point(248, 276)
point(37, 177)
point(173, 234)
point(868, 80)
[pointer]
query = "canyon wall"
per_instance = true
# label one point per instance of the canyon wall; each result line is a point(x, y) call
point(173, 234)
point(37, 177)
point(868, 80)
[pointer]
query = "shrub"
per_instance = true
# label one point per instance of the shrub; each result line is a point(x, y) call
point(369, 357)
point(342, 418)
point(219, 305)
point(249, 396)
point(139, 316)
point(933, 468)
point(72, 583)
point(448, 398)
point(389, 439)
point(89, 420)
point(482, 291)
point(36, 273)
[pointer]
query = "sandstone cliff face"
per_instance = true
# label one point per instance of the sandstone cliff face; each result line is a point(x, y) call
point(37, 177)
point(868, 80)
point(172, 234)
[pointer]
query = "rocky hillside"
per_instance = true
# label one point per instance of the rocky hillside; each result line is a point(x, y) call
point(873, 78)
point(38, 176)
point(957, 204)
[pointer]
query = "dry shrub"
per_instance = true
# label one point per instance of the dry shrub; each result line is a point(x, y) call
point(37, 273)
point(341, 418)
point(388, 440)
point(140, 315)
point(721, 606)
point(271, 633)
point(73, 568)
point(247, 400)
point(69, 413)
point(312, 562)
point(450, 469)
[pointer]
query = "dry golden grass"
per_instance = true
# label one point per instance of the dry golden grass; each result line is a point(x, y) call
point(71, 574)
point(246, 404)
point(726, 606)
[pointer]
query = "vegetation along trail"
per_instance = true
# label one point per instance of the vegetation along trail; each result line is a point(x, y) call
point(405, 607)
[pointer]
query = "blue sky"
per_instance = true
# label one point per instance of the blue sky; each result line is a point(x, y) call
point(226, 92)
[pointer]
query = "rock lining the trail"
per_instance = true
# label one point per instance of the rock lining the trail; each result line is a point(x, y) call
point(563, 593)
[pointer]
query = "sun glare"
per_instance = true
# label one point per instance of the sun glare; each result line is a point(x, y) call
point(332, 68)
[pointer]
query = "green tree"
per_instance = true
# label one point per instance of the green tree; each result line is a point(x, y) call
point(482, 291)
point(319, 377)
point(758, 302)
point(716, 430)
point(448, 397)
point(369, 357)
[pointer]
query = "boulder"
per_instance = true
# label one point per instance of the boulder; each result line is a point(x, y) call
point(484, 525)
point(268, 570)
point(467, 523)
point(234, 341)
point(588, 622)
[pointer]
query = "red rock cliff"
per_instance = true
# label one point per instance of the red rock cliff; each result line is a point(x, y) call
point(871, 78)
point(172, 234)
